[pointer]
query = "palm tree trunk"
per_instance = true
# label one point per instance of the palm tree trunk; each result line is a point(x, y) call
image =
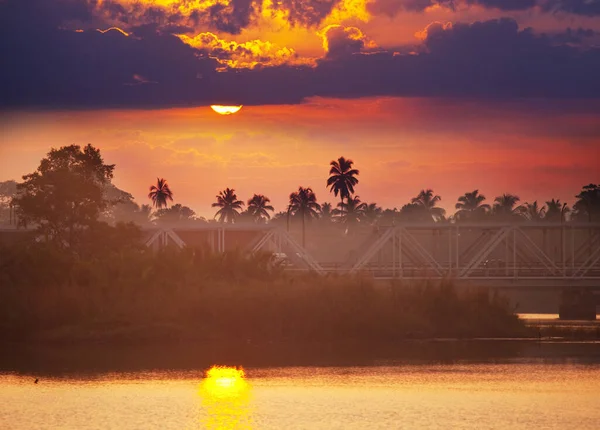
point(303, 230)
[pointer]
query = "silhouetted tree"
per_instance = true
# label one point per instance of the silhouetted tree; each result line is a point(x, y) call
point(160, 193)
point(427, 200)
point(350, 212)
point(303, 203)
point(587, 205)
point(259, 207)
point(326, 211)
point(556, 210)
point(532, 211)
point(342, 178)
point(505, 207)
point(372, 213)
point(175, 214)
point(65, 195)
point(229, 206)
point(471, 206)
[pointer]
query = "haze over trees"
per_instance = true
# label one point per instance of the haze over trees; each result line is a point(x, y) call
point(303, 203)
point(72, 189)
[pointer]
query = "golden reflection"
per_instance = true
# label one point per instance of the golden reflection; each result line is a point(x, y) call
point(225, 395)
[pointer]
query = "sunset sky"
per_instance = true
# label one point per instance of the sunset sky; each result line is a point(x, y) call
point(454, 95)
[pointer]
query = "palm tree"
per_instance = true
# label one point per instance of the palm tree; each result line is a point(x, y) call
point(372, 212)
point(505, 206)
point(326, 211)
point(556, 210)
point(258, 207)
point(342, 178)
point(427, 200)
point(303, 203)
point(470, 205)
point(229, 206)
point(160, 193)
point(351, 212)
point(532, 212)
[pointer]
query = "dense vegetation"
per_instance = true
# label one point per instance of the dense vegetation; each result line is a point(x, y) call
point(82, 275)
point(131, 294)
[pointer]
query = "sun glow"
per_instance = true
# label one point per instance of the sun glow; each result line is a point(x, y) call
point(225, 110)
point(223, 381)
point(225, 396)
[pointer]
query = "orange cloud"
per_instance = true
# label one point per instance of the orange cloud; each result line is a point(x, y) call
point(245, 54)
point(435, 26)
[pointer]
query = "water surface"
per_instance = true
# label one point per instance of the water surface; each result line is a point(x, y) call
point(526, 392)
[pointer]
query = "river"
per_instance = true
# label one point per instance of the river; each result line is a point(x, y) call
point(544, 385)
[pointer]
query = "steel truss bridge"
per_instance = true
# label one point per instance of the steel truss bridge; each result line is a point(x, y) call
point(503, 255)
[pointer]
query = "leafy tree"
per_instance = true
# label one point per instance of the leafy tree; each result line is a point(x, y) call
point(587, 205)
point(556, 211)
point(175, 214)
point(160, 193)
point(413, 212)
point(259, 207)
point(66, 193)
point(342, 178)
point(427, 201)
point(471, 206)
point(229, 206)
point(303, 203)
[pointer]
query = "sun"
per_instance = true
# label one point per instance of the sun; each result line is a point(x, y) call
point(223, 381)
point(225, 110)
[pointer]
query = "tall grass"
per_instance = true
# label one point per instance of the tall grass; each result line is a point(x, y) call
point(134, 294)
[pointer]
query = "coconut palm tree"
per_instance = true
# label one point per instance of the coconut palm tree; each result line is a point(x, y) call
point(303, 203)
point(229, 206)
point(351, 212)
point(427, 201)
point(470, 205)
point(372, 213)
point(505, 206)
point(342, 178)
point(259, 207)
point(556, 210)
point(160, 193)
point(532, 211)
point(326, 211)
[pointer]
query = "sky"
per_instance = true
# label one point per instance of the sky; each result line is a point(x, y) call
point(454, 95)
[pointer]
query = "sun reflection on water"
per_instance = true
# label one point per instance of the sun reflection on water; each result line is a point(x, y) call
point(225, 396)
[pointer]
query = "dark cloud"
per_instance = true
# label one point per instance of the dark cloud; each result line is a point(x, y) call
point(343, 41)
point(306, 12)
point(392, 7)
point(577, 7)
point(483, 59)
point(505, 4)
point(52, 67)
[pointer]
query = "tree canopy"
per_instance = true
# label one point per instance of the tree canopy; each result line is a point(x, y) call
point(66, 193)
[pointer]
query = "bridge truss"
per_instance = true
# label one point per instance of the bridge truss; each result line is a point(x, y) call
point(532, 254)
point(502, 254)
